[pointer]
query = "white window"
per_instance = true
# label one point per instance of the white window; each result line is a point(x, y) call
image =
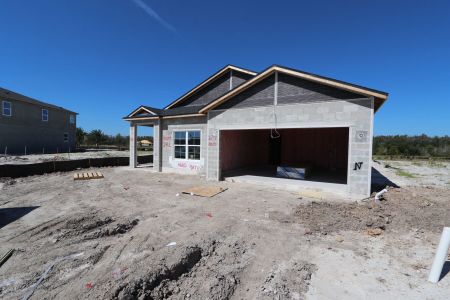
point(66, 137)
point(7, 108)
point(187, 145)
point(72, 119)
point(44, 115)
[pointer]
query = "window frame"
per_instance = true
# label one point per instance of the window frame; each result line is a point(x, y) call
point(42, 114)
point(65, 134)
point(72, 117)
point(3, 108)
point(186, 145)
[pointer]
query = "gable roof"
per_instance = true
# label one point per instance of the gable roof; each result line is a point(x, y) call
point(146, 109)
point(379, 96)
point(19, 97)
point(155, 113)
point(208, 81)
point(201, 110)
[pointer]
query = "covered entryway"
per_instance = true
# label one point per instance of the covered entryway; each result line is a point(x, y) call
point(318, 154)
point(140, 153)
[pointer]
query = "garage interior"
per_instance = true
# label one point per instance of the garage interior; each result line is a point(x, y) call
point(257, 153)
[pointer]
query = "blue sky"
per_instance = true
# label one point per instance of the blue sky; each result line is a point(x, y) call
point(103, 58)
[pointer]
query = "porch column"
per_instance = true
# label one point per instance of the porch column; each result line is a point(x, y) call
point(157, 146)
point(133, 145)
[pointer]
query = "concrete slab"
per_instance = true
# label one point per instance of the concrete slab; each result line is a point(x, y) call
point(322, 189)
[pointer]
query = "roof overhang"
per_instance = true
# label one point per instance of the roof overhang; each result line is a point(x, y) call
point(379, 96)
point(208, 81)
point(165, 117)
point(139, 109)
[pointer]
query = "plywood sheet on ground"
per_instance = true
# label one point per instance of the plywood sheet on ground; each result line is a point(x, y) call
point(204, 190)
point(87, 175)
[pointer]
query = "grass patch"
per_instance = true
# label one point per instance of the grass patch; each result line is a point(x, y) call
point(406, 174)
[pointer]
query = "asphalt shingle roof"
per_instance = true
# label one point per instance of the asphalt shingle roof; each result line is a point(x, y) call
point(19, 97)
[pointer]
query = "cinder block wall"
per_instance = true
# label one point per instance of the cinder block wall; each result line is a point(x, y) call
point(169, 163)
point(357, 114)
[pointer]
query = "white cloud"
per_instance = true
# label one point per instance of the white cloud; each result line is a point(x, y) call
point(149, 11)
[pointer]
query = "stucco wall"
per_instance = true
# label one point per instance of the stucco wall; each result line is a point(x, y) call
point(26, 128)
point(356, 114)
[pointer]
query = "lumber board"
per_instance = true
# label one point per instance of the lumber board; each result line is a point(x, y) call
point(87, 175)
point(204, 190)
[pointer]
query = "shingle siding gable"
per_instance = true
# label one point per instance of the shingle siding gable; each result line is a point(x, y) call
point(239, 78)
point(290, 90)
point(296, 90)
point(261, 94)
point(211, 92)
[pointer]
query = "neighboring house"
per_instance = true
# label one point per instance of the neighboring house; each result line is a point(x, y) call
point(33, 126)
point(145, 143)
point(245, 125)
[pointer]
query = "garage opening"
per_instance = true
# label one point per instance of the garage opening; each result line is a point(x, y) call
point(305, 154)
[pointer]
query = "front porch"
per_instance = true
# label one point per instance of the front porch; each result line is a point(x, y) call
point(134, 146)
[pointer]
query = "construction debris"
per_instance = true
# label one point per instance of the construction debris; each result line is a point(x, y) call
point(87, 175)
point(204, 190)
point(6, 257)
point(374, 231)
point(339, 238)
point(45, 273)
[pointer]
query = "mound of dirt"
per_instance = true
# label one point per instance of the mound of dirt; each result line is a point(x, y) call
point(119, 228)
point(402, 209)
point(87, 226)
point(87, 223)
point(288, 283)
point(209, 271)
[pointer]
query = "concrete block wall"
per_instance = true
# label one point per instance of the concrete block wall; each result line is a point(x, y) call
point(168, 162)
point(357, 114)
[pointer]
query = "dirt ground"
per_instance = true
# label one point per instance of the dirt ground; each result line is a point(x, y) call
point(37, 158)
point(132, 235)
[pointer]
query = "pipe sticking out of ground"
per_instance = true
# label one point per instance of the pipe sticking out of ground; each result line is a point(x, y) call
point(441, 256)
point(379, 195)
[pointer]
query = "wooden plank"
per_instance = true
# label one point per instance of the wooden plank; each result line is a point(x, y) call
point(87, 175)
point(204, 190)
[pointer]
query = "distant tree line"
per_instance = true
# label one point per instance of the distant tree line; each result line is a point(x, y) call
point(404, 145)
point(97, 137)
point(388, 145)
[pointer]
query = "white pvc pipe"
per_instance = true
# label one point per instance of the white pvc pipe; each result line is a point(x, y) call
point(441, 256)
point(379, 194)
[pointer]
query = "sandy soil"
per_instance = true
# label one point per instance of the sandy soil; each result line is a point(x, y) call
point(130, 236)
point(36, 158)
point(417, 172)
